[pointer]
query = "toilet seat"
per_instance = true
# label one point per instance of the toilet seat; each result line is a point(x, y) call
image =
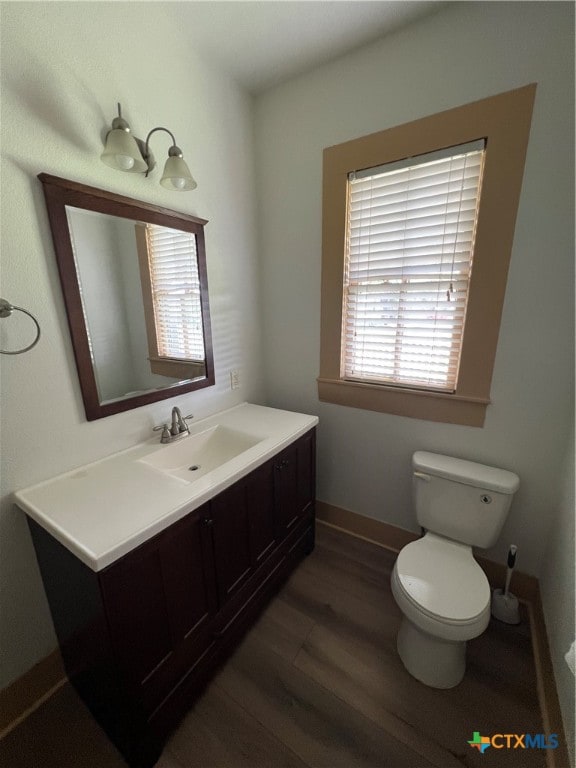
point(441, 580)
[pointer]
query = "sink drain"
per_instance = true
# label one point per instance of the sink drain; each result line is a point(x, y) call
point(194, 467)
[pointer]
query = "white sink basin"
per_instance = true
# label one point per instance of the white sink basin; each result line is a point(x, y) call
point(103, 510)
point(192, 457)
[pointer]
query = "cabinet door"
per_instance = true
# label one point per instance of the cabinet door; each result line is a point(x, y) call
point(261, 513)
point(285, 490)
point(294, 482)
point(244, 529)
point(231, 536)
point(306, 472)
point(159, 600)
point(189, 575)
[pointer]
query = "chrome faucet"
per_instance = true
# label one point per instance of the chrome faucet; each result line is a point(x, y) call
point(178, 428)
point(178, 423)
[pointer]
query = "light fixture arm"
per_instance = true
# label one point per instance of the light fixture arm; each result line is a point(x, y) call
point(119, 121)
point(160, 128)
point(174, 151)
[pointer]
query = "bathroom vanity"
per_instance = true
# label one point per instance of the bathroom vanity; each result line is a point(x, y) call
point(153, 575)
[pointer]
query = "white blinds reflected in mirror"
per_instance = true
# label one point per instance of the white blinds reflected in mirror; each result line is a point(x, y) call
point(112, 257)
point(173, 267)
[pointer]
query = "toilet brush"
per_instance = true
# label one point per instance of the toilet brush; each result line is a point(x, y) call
point(504, 603)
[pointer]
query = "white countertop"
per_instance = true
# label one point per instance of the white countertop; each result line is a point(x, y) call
point(103, 510)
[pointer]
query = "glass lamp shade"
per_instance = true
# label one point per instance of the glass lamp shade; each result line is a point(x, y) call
point(177, 176)
point(121, 152)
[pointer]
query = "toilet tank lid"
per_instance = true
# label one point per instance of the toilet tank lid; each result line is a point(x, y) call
point(466, 472)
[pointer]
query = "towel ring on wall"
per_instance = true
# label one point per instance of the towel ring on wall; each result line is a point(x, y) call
point(6, 310)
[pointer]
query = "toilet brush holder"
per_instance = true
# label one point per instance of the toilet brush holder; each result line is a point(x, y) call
point(504, 604)
point(505, 607)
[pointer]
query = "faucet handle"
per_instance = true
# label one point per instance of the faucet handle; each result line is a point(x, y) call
point(183, 424)
point(165, 436)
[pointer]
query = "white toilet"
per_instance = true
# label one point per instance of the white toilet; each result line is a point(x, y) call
point(439, 587)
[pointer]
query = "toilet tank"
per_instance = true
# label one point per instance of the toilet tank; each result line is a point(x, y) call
point(461, 500)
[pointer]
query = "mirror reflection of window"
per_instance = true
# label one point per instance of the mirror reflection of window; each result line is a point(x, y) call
point(130, 286)
point(171, 290)
point(102, 279)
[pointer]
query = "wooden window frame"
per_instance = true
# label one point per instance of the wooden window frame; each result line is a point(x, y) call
point(504, 122)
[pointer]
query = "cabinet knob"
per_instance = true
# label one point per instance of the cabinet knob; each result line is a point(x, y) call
point(208, 521)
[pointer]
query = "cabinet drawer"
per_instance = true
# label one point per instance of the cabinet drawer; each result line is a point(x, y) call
point(259, 581)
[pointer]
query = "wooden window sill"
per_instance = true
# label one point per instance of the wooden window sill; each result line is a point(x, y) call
point(417, 404)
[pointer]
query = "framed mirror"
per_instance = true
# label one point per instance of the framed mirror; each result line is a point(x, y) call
point(134, 282)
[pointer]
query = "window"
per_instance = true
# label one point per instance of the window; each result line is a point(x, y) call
point(408, 257)
point(172, 303)
point(418, 223)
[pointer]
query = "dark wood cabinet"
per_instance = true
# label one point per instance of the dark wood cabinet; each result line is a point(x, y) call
point(244, 528)
point(231, 536)
point(142, 637)
point(294, 483)
point(159, 601)
point(261, 512)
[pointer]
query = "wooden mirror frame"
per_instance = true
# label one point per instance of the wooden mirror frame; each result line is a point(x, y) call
point(58, 194)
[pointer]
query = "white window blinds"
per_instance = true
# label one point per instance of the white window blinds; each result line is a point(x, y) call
point(173, 267)
point(410, 238)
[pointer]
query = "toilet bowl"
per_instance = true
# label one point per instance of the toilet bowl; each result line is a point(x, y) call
point(444, 597)
point(441, 590)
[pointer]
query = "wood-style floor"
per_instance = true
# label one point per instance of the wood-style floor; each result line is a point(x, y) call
point(317, 682)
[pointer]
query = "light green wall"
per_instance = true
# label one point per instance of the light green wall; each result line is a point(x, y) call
point(557, 588)
point(464, 52)
point(64, 67)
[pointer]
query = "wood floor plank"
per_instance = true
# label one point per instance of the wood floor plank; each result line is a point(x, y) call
point(219, 733)
point(436, 723)
point(312, 722)
point(499, 686)
point(365, 688)
point(283, 628)
point(60, 734)
point(353, 576)
point(503, 657)
point(354, 566)
point(333, 601)
point(168, 761)
point(373, 556)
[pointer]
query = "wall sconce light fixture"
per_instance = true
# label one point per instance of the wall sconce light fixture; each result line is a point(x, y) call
point(126, 152)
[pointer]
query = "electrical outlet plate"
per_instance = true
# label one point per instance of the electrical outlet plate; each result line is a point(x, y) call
point(235, 379)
